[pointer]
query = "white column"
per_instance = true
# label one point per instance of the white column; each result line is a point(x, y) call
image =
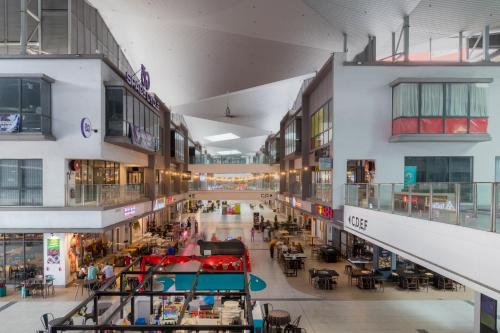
point(477, 312)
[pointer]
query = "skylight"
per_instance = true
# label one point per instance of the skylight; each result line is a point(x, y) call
point(228, 152)
point(221, 137)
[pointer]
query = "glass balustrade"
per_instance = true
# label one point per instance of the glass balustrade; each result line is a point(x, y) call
point(102, 195)
point(471, 205)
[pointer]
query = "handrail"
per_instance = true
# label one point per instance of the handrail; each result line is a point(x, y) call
point(467, 204)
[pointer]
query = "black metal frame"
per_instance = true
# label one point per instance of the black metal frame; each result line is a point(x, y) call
point(65, 323)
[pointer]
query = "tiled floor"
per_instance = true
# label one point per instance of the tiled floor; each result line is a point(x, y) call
point(345, 309)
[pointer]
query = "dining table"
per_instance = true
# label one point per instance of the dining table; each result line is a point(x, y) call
point(277, 319)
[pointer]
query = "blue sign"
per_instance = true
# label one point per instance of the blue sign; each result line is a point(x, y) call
point(325, 163)
point(86, 128)
point(410, 174)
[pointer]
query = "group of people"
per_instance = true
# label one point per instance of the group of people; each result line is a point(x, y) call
point(90, 272)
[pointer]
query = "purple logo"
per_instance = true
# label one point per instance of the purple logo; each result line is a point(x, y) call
point(86, 128)
point(145, 80)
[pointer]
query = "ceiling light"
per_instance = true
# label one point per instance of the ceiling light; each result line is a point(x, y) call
point(228, 152)
point(221, 137)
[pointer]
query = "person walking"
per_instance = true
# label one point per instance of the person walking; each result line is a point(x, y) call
point(252, 232)
point(272, 245)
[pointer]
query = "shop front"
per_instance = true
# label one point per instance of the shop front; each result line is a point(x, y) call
point(21, 256)
point(322, 217)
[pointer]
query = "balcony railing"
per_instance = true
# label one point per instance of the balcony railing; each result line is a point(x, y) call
point(104, 195)
point(234, 186)
point(471, 205)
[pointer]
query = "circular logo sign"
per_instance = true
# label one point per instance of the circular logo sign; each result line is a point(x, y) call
point(86, 128)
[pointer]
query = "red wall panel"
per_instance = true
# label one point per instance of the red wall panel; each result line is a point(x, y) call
point(431, 125)
point(405, 126)
point(478, 125)
point(455, 125)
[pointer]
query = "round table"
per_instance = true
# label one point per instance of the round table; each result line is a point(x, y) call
point(278, 318)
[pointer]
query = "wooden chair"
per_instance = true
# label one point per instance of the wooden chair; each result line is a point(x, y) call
point(347, 269)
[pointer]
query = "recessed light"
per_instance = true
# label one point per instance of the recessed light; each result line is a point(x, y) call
point(221, 137)
point(228, 152)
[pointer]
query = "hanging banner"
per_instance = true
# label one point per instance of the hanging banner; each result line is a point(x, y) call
point(10, 123)
point(53, 250)
point(143, 139)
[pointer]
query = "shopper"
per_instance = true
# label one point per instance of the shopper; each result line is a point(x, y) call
point(82, 273)
point(272, 245)
point(252, 232)
point(108, 271)
point(127, 260)
point(91, 272)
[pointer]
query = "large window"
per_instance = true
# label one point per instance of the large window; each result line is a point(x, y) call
point(125, 112)
point(177, 145)
point(292, 137)
point(24, 105)
point(21, 256)
point(21, 183)
point(439, 108)
point(442, 169)
point(321, 126)
point(322, 185)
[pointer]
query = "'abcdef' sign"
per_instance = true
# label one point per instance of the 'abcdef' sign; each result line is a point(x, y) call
point(358, 223)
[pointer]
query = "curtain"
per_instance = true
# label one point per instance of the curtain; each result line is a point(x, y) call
point(432, 99)
point(457, 99)
point(405, 100)
point(478, 106)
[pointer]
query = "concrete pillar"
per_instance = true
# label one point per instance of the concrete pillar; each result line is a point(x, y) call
point(24, 28)
point(486, 43)
point(406, 32)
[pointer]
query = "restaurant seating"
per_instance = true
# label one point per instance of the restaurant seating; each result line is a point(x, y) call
point(446, 283)
point(411, 283)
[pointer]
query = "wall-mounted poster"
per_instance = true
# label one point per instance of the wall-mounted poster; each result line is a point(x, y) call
point(53, 250)
point(9, 123)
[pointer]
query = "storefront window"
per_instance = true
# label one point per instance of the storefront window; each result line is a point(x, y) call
point(25, 105)
point(21, 183)
point(442, 169)
point(321, 126)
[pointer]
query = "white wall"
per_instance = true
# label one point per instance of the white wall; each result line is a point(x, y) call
point(362, 103)
point(78, 92)
point(466, 255)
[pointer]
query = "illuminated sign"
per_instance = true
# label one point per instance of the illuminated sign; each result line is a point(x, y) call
point(324, 211)
point(160, 203)
point(129, 211)
point(142, 86)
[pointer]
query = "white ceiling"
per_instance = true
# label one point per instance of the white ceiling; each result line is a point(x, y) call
point(197, 49)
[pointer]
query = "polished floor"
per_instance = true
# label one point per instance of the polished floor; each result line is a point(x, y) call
point(346, 309)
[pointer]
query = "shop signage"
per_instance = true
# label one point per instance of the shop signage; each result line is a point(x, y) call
point(143, 139)
point(53, 250)
point(142, 86)
point(443, 205)
point(86, 127)
point(10, 123)
point(170, 200)
point(325, 163)
point(160, 203)
point(296, 203)
point(357, 222)
point(266, 195)
point(324, 211)
point(129, 211)
point(410, 176)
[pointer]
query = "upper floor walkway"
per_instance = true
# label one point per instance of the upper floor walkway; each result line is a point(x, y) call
point(233, 168)
point(451, 228)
